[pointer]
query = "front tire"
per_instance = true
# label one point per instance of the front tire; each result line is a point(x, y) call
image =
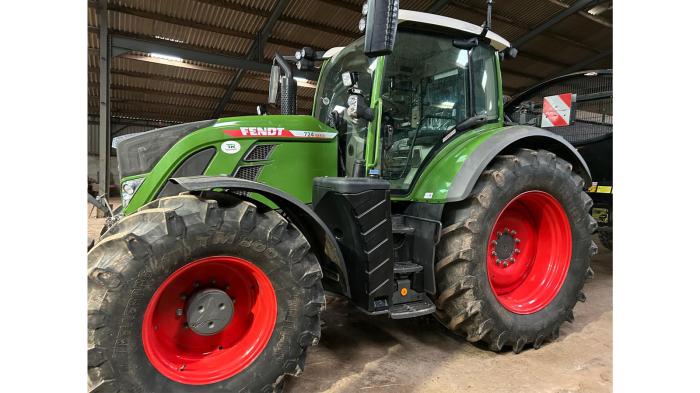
point(141, 270)
point(526, 222)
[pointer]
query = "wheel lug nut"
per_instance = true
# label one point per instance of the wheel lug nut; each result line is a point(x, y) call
point(513, 232)
point(517, 251)
point(511, 259)
point(183, 297)
point(505, 230)
point(498, 261)
point(505, 263)
point(517, 240)
point(494, 243)
point(178, 312)
point(493, 253)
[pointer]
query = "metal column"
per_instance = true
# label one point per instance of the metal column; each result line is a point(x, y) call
point(103, 171)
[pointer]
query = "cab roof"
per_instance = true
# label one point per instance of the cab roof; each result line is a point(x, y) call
point(497, 42)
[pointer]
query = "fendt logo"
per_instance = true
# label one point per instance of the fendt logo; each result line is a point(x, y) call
point(262, 131)
point(279, 132)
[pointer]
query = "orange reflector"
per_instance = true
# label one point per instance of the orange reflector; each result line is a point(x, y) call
point(404, 291)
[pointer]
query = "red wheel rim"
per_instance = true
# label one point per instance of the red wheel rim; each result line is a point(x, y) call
point(529, 252)
point(189, 358)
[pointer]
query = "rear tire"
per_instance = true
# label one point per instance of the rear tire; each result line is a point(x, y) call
point(467, 300)
point(140, 253)
point(605, 234)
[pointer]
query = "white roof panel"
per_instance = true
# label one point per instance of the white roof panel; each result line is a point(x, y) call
point(498, 42)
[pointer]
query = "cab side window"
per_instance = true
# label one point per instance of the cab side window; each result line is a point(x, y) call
point(485, 85)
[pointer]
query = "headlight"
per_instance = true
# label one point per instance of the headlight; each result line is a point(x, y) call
point(365, 8)
point(362, 25)
point(129, 188)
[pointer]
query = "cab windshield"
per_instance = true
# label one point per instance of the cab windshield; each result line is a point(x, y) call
point(430, 86)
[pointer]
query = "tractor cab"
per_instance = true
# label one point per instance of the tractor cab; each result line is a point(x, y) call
point(395, 111)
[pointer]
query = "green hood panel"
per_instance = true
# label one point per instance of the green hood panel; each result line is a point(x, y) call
point(304, 148)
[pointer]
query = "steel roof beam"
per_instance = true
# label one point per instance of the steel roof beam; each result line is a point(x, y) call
point(104, 134)
point(150, 45)
point(254, 51)
point(585, 14)
point(576, 7)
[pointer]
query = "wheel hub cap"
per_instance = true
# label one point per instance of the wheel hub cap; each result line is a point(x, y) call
point(209, 311)
point(505, 247)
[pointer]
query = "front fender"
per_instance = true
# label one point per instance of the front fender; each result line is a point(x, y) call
point(507, 141)
point(303, 217)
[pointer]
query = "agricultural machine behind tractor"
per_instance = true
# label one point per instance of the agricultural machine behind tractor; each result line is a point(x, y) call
point(404, 191)
point(586, 122)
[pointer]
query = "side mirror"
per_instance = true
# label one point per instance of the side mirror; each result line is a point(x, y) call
point(382, 18)
point(274, 85)
point(261, 110)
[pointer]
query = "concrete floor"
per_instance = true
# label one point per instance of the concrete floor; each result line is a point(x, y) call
point(358, 353)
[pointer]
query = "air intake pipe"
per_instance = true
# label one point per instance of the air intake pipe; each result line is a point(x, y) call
point(288, 92)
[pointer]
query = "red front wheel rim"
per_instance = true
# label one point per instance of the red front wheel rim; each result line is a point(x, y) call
point(529, 252)
point(184, 356)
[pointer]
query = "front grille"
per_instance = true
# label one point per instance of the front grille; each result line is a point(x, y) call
point(259, 153)
point(248, 172)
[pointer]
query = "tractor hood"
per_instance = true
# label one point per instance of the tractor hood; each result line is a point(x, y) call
point(139, 153)
point(282, 151)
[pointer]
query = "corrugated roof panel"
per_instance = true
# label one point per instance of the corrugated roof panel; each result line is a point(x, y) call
point(416, 5)
point(216, 77)
point(198, 11)
point(556, 50)
point(320, 13)
point(200, 38)
point(531, 13)
point(474, 16)
point(586, 31)
point(188, 94)
point(314, 38)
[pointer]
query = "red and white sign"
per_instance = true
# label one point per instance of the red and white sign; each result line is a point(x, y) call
point(277, 132)
point(556, 110)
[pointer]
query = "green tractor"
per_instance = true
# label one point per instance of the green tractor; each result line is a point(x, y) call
point(405, 191)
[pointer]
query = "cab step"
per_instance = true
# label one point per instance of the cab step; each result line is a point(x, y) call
point(412, 309)
point(398, 226)
point(407, 267)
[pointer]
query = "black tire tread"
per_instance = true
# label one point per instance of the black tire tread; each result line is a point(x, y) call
point(458, 302)
point(173, 217)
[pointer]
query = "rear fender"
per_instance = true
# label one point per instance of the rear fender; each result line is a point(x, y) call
point(507, 142)
point(322, 241)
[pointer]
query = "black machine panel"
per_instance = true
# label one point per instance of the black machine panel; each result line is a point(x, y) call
point(357, 211)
